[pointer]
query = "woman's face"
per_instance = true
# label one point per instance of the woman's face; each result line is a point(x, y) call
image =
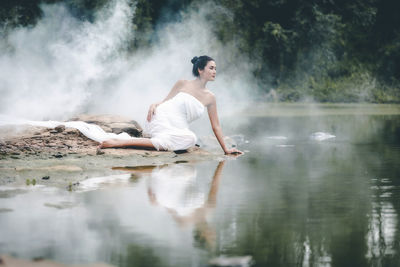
point(209, 72)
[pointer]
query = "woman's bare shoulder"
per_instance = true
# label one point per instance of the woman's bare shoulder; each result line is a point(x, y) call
point(178, 86)
point(180, 83)
point(210, 97)
point(209, 93)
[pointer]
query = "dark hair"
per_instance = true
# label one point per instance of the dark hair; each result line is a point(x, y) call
point(200, 63)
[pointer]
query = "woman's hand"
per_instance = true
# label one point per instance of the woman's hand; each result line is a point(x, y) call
point(152, 111)
point(233, 151)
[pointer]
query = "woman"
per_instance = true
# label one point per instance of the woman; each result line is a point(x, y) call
point(167, 121)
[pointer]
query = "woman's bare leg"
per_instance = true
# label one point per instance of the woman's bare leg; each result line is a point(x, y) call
point(136, 142)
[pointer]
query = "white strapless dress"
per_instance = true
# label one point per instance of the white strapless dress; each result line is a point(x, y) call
point(169, 127)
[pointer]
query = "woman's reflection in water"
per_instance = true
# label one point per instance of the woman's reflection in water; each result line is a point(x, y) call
point(189, 199)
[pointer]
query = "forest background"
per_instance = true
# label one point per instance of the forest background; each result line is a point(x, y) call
point(323, 50)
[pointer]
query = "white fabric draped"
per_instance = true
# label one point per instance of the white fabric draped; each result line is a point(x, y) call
point(91, 131)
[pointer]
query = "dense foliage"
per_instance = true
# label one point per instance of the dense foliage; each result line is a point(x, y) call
point(329, 50)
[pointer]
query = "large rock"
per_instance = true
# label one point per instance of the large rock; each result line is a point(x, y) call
point(112, 123)
point(21, 141)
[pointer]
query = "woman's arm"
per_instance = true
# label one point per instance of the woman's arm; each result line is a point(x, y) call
point(175, 89)
point(213, 115)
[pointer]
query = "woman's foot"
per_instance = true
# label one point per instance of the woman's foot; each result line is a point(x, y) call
point(110, 143)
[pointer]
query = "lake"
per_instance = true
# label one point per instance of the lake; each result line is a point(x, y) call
point(291, 200)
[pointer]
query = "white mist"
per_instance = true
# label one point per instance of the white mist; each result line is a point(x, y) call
point(63, 66)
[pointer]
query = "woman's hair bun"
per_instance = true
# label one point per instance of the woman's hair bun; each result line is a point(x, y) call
point(199, 63)
point(194, 59)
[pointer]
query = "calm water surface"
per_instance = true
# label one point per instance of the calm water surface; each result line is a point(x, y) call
point(289, 201)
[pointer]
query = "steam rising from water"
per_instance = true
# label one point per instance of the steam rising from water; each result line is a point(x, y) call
point(63, 66)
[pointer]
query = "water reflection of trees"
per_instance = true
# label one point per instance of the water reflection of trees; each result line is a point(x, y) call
point(326, 205)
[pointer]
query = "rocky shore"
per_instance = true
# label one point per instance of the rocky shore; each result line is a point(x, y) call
point(63, 156)
point(20, 141)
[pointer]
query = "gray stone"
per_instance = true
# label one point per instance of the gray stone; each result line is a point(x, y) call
point(60, 128)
